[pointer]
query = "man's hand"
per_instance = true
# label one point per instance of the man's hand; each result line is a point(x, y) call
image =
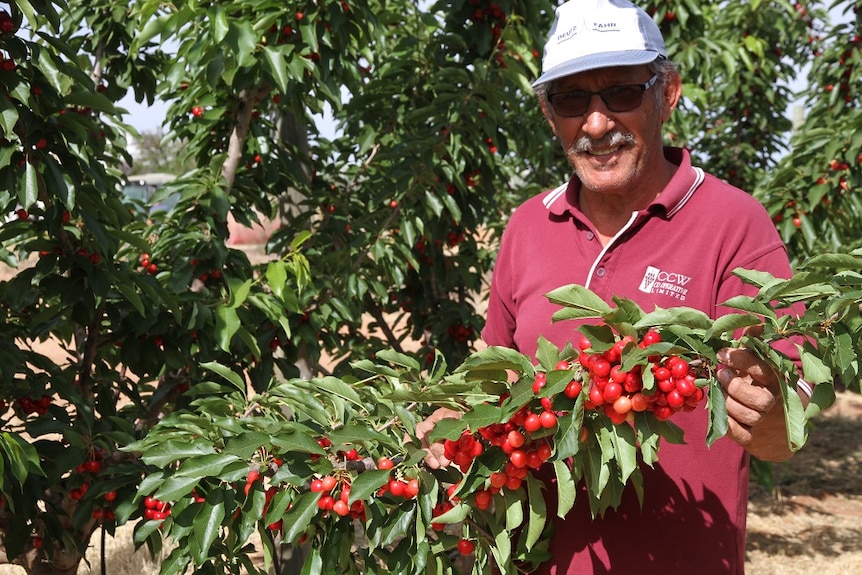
point(436, 457)
point(754, 408)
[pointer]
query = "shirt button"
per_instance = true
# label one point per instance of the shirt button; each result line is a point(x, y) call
point(600, 272)
point(590, 236)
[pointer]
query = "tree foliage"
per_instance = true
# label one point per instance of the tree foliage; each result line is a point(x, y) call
point(122, 332)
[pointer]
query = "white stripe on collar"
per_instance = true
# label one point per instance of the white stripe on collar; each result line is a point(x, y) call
point(554, 195)
point(560, 191)
point(698, 180)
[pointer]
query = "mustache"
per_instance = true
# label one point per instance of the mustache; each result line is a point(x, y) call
point(586, 144)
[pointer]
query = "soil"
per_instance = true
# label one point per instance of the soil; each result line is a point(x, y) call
point(810, 521)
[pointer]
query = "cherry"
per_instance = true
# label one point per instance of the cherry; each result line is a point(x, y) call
point(573, 389)
point(397, 487)
point(466, 547)
point(412, 488)
point(385, 463)
point(548, 419)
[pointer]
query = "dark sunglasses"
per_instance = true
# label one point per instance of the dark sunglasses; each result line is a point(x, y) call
point(616, 98)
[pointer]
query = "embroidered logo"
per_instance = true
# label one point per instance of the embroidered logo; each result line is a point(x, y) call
point(656, 281)
point(567, 34)
point(605, 27)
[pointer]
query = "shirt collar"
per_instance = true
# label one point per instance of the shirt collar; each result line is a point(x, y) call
point(682, 185)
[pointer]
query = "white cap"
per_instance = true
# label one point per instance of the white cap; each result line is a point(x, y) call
point(590, 34)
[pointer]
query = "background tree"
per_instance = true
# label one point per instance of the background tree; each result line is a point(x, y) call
point(388, 230)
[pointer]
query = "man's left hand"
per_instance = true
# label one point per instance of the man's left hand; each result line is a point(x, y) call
point(754, 409)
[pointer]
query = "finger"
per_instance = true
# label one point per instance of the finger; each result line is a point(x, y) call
point(738, 432)
point(754, 330)
point(435, 458)
point(744, 413)
point(743, 361)
point(741, 392)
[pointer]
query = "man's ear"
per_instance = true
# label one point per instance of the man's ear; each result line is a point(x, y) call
point(549, 115)
point(672, 93)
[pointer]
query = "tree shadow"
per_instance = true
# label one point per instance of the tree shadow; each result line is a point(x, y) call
point(830, 464)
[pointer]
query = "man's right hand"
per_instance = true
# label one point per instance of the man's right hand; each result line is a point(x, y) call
point(435, 458)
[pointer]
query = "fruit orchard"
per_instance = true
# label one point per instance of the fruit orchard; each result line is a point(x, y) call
point(193, 398)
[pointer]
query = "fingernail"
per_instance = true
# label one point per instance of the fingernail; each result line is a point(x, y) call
point(721, 356)
point(724, 375)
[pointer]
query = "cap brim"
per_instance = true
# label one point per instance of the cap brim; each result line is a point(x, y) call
point(595, 61)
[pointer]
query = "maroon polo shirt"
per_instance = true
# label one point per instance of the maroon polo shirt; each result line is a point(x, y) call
point(680, 251)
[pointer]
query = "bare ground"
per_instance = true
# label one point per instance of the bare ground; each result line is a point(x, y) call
point(811, 521)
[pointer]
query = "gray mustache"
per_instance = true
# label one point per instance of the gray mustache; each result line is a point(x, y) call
point(587, 144)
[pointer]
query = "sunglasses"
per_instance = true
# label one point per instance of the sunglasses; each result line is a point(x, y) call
point(616, 98)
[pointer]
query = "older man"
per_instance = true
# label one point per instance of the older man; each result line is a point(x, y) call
point(638, 220)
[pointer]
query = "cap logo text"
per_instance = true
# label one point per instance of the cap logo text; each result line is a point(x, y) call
point(606, 27)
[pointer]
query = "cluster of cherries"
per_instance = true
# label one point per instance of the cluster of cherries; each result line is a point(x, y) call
point(148, 265)
point(526, 437)
point(618, 392)
point(29, 405)
point(156, 509)
point(88, 469)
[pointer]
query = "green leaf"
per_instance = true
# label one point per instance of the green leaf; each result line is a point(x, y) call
point(175, 488)
point(566, 488)
point(28, 194)
point(219, 25)
point(814, 370)
point(537, 511)
point(206, 466)
point(239, 290)
point(794, 417)
point(300, 515)
point(299, 441)
point(579, 303)
point(728, 324)
point(276, 277)
point(496, 358)
point(227, 324)
point(680, 316)
point(207, 524)
point(165, 453)
point(399, 359)
point(366, 484)
point(717, 427)
point(226, 373)
point(244, 445)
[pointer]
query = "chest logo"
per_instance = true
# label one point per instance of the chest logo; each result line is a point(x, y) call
point(660, 282)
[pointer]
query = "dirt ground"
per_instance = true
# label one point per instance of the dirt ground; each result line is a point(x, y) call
point(811, 522)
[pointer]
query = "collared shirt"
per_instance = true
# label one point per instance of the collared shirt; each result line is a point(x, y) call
point(680, 251)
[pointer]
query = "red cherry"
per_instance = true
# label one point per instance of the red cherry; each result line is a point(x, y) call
point(397, 488)
point(466, 547)
point(548, 419)
point(412, 489)
point(329, 482)
point(385, 463)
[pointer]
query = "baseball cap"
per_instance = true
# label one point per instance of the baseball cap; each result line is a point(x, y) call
point(590, 34)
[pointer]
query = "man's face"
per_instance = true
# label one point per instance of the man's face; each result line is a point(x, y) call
point(613, 152)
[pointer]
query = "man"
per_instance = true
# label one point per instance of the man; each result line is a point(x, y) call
point(638, 220)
